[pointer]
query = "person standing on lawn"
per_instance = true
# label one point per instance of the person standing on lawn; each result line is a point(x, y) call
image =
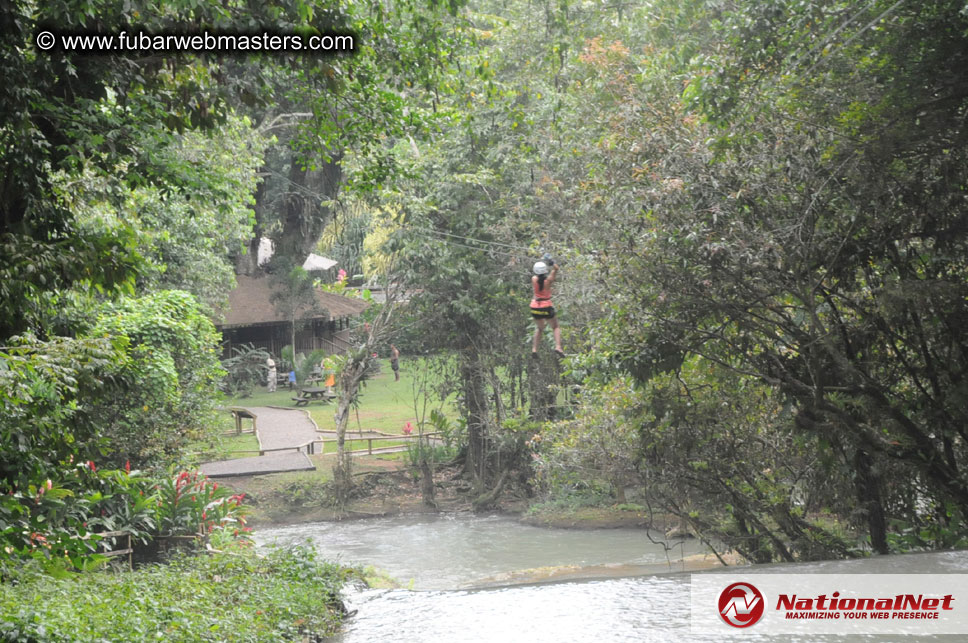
point(395, 362)
point(271, 375)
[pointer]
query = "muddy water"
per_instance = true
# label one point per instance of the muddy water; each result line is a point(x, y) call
point(471, 578)
point(449, 552)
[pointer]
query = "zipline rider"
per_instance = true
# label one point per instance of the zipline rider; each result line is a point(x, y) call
point(542, 310)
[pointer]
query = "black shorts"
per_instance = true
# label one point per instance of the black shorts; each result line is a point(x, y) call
point(543, 313)
point(394, 365)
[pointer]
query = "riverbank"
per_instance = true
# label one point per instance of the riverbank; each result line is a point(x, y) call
point(279, 594)
point(388, 488)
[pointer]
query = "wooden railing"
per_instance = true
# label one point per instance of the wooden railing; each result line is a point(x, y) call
point(310, 446)
point(128, 550)
point(386, 438)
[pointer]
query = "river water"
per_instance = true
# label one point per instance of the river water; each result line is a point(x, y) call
point(474, 578)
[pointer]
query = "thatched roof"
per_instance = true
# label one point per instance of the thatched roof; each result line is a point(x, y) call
point(250, 305)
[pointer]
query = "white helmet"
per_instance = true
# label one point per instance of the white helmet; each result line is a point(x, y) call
point(540, 268)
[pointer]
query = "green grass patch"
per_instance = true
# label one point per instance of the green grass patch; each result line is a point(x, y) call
point(361, 445)
point(221, 443)
point(285, 595)
point(386, 405)
point(568, 499)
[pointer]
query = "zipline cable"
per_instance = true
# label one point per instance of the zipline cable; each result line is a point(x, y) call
point(457, 236)
point(478, 248)
point(437, 234)
point(859, 33)
point(825, 41)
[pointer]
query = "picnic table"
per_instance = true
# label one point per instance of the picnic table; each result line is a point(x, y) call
point(309, 394)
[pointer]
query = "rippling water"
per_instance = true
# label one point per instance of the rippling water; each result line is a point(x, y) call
point(454, 551)
point(437, 556)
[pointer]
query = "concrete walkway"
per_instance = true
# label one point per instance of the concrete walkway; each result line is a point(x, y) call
point(279, 428)
point(285, 437)
point(280, 462)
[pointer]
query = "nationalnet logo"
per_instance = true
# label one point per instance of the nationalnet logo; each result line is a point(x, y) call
point(916, 604)
point(899, 606)
point(741, 605)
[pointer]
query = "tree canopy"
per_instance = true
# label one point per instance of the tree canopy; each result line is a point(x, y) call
point(758, 209)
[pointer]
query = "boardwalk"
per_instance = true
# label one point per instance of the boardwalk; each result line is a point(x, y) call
point(270, 463)
point(278, 428)
point(285, 437)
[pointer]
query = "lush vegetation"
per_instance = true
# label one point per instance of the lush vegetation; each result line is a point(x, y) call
point(760, 212)
point(133, 187)
point(759, 209)
point(231, 596)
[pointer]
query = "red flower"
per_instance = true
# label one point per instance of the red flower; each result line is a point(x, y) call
point(127, 466)
point(90, 464)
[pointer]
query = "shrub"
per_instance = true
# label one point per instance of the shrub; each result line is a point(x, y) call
point(285, 594)
point(166, 384)
point(190, 504)
point(244, 370)
point(58, 523)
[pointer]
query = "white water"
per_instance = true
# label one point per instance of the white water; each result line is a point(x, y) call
point(442, 559)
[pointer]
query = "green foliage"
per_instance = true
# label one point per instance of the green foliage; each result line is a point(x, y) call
point(56, 523)
point(67, 115)
point(190, 504)
point(775, 189)
point(306, 366)
point(126, 393)
point(602, 444)
point(573, 496)
point(735, 471)
point(43, 420)
point(187, 236)
point(305, 492)
point(244, 370)
point(235, 596)
point(168, 380)
point(420, 451)
point(452, 433)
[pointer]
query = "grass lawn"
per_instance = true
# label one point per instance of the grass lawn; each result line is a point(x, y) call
point(386, 405)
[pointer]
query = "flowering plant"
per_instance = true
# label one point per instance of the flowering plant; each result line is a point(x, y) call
point(191, 504)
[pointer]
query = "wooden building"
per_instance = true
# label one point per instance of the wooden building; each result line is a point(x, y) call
point(253, 318)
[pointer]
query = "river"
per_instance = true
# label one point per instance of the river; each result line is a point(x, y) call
point(490, 578)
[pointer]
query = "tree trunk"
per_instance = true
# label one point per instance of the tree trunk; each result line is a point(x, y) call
point(427, 488)
point(869, 494)
point(303, 216)
point(342, 470)
point(475, 401)
point(543, 381)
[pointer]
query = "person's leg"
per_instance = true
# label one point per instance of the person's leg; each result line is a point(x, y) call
point(557, 334)
point(538, 332)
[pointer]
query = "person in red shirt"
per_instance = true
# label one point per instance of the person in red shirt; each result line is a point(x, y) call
point(542, 310)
